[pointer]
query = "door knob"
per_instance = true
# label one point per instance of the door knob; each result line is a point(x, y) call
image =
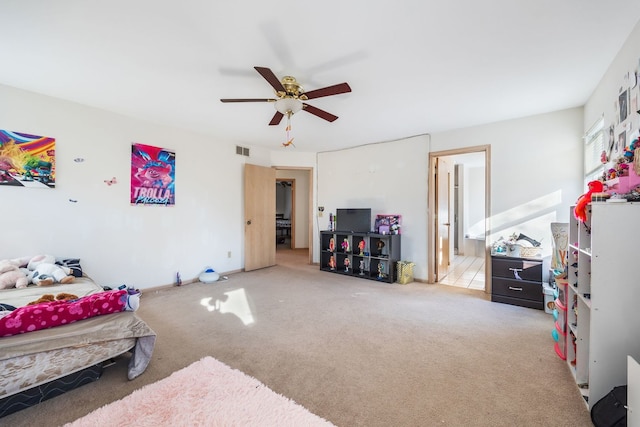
point(249, 222)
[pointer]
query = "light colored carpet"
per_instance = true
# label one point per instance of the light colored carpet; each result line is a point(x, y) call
point(205, 393)
point(355, 352)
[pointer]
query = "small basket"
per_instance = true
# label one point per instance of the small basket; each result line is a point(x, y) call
point(530, 251)
point(405, 272)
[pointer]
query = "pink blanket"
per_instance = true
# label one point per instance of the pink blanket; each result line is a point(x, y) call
point(55, 313)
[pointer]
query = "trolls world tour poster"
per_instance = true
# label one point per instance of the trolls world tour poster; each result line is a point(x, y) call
point(152, 175)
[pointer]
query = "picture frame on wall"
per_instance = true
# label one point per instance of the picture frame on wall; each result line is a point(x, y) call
point(623, 105)
point(27, 160)
point(152, 175)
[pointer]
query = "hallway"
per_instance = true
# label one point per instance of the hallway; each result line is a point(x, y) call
point(466, 272)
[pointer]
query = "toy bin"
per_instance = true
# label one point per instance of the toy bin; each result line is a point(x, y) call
point(560, 338)
point(560, 318)
point(549, 298)
point(561, 290)
point(405, 272)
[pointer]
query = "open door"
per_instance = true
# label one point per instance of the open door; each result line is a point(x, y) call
point(259, 217)
point(443, 217)
point(435, 199)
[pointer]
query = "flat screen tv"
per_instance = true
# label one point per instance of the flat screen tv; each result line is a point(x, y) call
point(353, 220)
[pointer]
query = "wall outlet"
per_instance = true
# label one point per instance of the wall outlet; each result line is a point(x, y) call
point(229, 254)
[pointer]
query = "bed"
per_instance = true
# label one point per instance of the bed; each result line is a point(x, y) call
point(40, 364)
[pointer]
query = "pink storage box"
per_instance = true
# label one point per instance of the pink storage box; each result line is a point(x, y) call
point(623, 184)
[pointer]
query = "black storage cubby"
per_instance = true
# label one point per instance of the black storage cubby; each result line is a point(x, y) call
point(369, 255)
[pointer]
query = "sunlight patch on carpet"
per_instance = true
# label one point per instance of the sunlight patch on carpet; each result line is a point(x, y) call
point(235, 302)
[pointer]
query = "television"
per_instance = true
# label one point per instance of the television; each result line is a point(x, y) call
point(353, 220)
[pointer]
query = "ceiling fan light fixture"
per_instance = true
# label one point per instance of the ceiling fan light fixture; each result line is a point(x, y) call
point(288, 105)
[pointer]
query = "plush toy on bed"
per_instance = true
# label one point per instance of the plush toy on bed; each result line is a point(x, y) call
point(11, 275)
point(44, 271)
point(63, 296)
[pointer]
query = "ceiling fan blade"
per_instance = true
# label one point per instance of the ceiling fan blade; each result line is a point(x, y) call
point(320, 113)
point(328, 91)
point(247, 100)
point(271, 78)
point(277, 118)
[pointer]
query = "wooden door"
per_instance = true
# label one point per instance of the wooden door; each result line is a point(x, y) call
point(259, 217)
point(443, 218)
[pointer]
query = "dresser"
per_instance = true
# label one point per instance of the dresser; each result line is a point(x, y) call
point(517, 281)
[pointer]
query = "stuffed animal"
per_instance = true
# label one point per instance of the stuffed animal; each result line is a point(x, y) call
point(11, 275)
point(580, 211)
point(44, 271)
point(63, 296)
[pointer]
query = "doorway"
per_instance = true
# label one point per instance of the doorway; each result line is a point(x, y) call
point(459, 192)
point(285, 213)
point(293, 215)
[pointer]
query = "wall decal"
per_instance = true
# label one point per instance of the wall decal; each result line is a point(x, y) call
point(27, 160)
point(152, 175)
point(111, 181)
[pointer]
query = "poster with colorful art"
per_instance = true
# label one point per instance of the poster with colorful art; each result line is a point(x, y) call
point(27, 160)
point(152, 175)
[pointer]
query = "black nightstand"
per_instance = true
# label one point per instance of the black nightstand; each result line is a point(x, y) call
point(517, 281)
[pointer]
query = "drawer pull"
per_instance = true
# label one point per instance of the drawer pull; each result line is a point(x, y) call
point(515, 273)
point(511, 288)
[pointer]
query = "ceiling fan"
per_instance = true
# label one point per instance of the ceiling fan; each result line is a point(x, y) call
point(290, 96)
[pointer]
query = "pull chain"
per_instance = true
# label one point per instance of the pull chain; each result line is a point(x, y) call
point(288, 130)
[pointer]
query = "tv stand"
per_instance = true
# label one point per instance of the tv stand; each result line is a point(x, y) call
point(377, 261)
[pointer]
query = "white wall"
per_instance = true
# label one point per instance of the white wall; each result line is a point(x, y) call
point(536, 169)
point(536, 174)
point(389, 178)
point(474, 201)
point(118, 243)
point(602, 101)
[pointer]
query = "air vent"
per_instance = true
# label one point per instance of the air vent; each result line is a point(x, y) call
point(242, 151)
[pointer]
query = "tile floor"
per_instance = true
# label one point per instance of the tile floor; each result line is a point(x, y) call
point(465, 272)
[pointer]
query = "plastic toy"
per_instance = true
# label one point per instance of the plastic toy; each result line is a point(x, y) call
point(580, 211)
point(209, 275)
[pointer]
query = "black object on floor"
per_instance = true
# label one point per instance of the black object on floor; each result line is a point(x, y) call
point(35, 395)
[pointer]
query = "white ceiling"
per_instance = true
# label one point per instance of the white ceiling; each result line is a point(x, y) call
point(415, 67)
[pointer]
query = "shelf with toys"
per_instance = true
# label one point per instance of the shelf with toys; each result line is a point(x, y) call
point(601, 296)
point(365, 255)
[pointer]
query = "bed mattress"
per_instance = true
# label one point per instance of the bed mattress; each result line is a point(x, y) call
point(35, 359)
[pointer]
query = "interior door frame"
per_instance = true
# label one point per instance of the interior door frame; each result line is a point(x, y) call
point(431, 217)
point(445, 183)
point(310, 202)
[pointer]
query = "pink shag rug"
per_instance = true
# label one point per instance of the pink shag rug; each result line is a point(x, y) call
point(206, 393)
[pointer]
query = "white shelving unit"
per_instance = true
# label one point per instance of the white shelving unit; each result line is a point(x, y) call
point(633, 392)
point(603, 313)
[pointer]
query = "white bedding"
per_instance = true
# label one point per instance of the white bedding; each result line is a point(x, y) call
point(81, 287)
